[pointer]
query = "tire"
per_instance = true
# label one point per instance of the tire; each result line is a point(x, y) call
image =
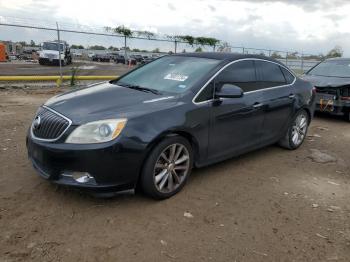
point(161, 177)
point(347, 115)
point(296, 132)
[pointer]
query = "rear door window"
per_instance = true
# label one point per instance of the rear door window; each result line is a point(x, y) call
point(269, 74)
point(287, 75)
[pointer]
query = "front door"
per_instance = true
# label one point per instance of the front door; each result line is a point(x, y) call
point(236, 123)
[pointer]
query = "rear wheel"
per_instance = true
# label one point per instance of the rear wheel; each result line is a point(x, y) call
point(167, 168)
point(296, 132)
point(347, 115)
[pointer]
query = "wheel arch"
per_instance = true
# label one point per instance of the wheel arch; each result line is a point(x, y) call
point(307, 110)
point(189, 137)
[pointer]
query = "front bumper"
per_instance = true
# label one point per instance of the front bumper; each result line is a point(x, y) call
point(115, 166)
point(337, 107)
point(49, 61)
point(330, 104)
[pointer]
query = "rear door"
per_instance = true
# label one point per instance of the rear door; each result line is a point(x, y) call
point(236, 122)
point(278, 98)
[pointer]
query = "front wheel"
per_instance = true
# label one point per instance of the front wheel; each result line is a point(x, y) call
point(296, 132)
point(167, 168)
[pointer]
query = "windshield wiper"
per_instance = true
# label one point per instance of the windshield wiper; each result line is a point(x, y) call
point(141, 88)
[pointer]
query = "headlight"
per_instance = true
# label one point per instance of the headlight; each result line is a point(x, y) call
point(97, 132)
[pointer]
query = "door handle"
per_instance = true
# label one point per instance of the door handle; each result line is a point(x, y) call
point(257, 105)
point(291, 96)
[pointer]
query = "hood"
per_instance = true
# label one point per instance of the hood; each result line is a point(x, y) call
point(327, 81)
point(105, 101)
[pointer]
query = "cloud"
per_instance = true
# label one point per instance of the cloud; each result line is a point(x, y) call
point(308, 26)
point(308, 5)
point(212, 8)
point(171, 7)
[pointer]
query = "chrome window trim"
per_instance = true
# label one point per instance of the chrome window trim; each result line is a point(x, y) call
point(55, 139)
point(236, 61)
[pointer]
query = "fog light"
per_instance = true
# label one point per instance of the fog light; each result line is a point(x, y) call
point(80, 177)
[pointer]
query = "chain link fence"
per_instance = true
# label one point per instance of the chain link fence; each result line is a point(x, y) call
point(33, 50)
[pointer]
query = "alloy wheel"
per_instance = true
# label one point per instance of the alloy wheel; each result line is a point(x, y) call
point(299, 129)
point(171, 168)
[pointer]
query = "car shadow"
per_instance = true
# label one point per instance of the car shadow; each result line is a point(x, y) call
point(329, 117)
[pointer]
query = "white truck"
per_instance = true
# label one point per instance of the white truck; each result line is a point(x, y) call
point(49, 53)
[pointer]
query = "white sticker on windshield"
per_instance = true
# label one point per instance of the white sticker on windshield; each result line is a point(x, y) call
point(176, 77)
point(182, 86)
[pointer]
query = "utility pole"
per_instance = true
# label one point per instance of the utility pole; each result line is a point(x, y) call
point(59, 53)
point(175, 42)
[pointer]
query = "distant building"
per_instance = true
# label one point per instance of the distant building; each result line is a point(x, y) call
point(12, 48)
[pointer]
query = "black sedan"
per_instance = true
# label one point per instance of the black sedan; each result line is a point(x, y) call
point(148, 128)
point(332, 81)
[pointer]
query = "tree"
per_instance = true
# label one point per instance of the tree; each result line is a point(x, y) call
point(112, 48)
point(77, 47)
point(157, 50)
point(136, 50)
point(23, 43)
point(97, 47)
point(122, 30)
point(337, 51)
point(146, 34)
point(210, 41)
point(276, 55)
point(32, 43)
point(198, 49)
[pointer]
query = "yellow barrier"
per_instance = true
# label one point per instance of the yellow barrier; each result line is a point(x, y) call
point(54, 78)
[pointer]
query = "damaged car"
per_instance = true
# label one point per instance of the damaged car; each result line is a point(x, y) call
point(331, 79)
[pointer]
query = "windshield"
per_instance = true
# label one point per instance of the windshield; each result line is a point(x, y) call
point(174, 74)
point(52, 46)
point(332, 68)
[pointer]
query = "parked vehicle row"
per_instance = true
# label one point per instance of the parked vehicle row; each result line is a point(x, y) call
point(120, 59)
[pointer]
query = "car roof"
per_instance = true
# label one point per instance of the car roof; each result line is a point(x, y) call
point(227, 56)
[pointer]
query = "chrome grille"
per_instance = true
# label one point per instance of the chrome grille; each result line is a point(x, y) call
point(49, 125)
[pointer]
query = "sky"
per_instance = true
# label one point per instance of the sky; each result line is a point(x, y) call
point(309, 26)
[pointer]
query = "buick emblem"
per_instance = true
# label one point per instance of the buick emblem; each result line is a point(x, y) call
point(37, 122)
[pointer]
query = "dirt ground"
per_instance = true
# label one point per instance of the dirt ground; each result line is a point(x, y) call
point(268, 205)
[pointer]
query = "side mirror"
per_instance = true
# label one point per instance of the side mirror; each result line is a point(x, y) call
point(229, 91)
